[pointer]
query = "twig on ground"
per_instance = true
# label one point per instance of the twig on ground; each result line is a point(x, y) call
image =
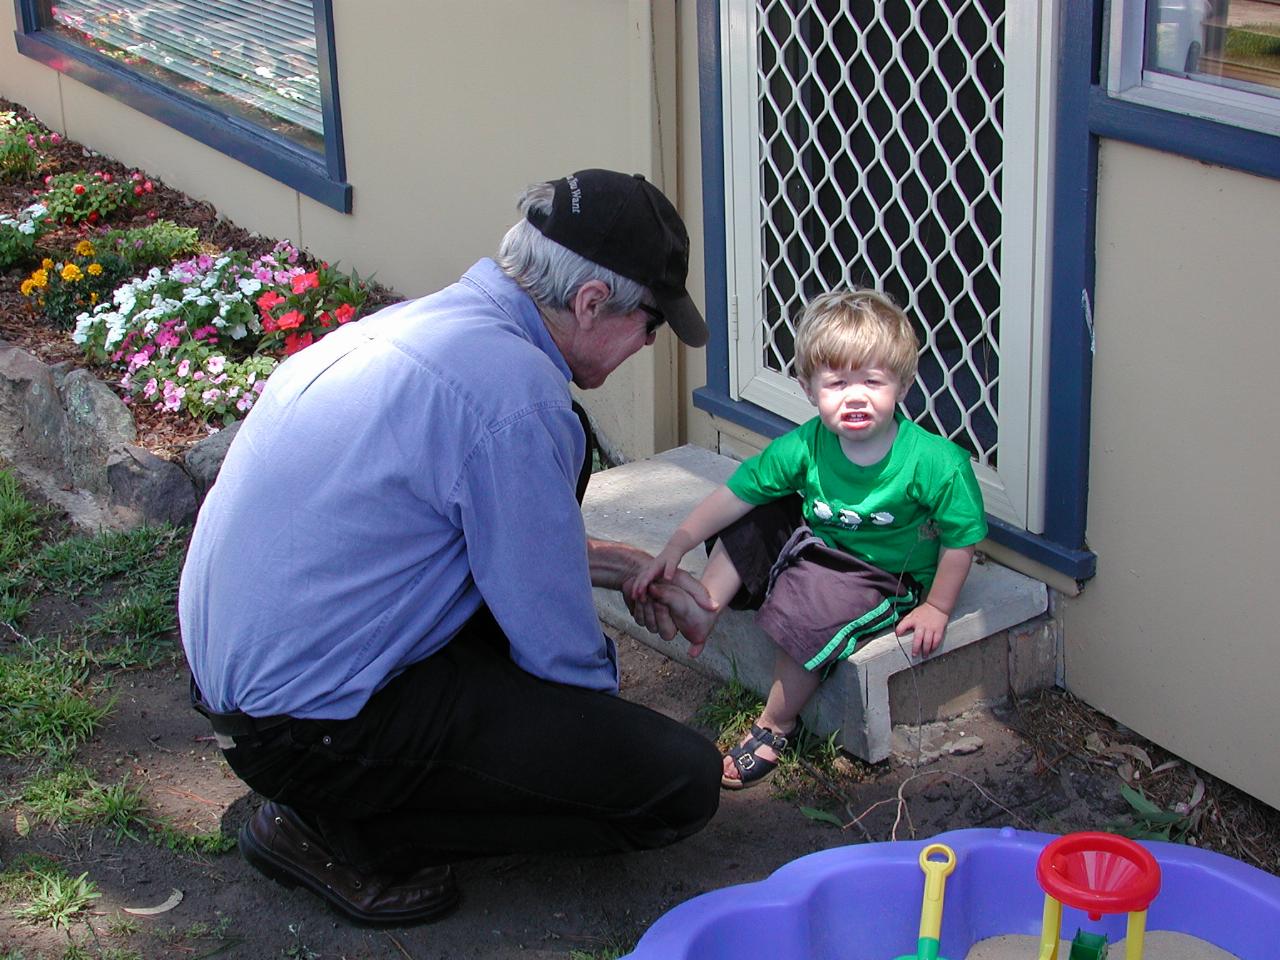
point(904, 810)
point(824, 782)
point(10, 627)
point(399, 945)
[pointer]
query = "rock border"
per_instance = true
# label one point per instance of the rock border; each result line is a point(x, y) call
point(70, 435)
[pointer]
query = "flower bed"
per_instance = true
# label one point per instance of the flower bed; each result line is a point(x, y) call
point(184, 314)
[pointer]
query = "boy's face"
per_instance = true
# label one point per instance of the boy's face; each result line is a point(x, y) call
point(855, 404)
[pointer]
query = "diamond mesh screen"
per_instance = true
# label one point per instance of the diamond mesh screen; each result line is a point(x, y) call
point(881, 148)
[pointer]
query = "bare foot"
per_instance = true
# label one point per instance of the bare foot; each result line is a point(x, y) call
point(692, 620)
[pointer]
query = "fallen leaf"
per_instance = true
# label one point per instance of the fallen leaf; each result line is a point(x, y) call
point(21, 825)
point(175, 898)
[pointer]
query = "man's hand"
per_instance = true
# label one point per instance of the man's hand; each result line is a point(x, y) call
point(929, 625)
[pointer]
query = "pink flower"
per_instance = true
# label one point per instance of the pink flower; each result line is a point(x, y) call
point(214, 364)
point(149, 390)
point(210, 395)
point(184, 368)
point(244, 403)
point(198, 375)
point(259, 386)
point(173, 395)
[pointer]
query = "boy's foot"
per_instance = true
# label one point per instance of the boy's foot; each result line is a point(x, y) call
point(755, 758)
point(692, 620)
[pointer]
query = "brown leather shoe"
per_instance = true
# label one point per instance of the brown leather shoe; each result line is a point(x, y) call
point(277, 843)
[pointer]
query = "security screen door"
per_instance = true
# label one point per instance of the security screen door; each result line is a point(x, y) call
point(902, 145)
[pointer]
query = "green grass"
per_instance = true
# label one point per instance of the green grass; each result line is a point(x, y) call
point(209, 843)
point(731, 711)
point(78, 565)
point(136, 628)
point(46, 702)
point(73, 796)
point(20, 522)
point(45, 893)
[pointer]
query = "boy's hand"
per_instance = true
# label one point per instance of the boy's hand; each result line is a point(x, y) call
point(929, 625)
point(662, 567)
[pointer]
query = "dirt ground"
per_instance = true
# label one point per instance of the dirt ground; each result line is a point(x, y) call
point(527, 906)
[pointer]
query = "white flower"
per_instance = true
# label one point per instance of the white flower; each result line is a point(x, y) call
point(249, 285)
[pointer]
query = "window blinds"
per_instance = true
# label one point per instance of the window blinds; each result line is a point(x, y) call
point(259, 53)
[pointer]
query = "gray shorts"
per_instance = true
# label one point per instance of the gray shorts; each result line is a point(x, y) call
point(813, 601)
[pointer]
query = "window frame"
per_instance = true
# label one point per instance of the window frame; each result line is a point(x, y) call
point(323, 178)
point(1127, 79)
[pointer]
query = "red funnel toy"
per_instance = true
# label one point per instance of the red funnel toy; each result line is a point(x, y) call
point(1098, 873)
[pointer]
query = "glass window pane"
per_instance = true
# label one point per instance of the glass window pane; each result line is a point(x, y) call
point(1229, 43)
point(251, 59)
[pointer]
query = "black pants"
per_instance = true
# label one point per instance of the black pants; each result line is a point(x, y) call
point(464, 754)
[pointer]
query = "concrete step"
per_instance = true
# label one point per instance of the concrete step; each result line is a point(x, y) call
point(999, 638)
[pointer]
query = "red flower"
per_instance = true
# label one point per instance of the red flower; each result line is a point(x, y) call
point(269, 322)
point(345, 312)
point(137, 191)
point(78, 189)
point(269, 301)
point(306, 281)
point(296, 341)
point(287, 321)
point(93, 216)
point(325, 319)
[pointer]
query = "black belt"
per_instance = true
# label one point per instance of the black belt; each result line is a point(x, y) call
point(234, 724)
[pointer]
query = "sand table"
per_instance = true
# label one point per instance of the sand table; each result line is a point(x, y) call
point(1158, 945)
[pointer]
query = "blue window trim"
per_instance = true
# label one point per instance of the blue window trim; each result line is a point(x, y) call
point(321, 178)
point(1062, 546)
point(1192, 137)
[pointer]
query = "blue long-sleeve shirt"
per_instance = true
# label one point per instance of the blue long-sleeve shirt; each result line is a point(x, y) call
point(391, 478)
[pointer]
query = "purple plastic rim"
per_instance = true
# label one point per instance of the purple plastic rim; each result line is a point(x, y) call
point(862, 902)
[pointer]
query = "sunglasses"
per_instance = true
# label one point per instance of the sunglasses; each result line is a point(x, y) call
point(656, 319)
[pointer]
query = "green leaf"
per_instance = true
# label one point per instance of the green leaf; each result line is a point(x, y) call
point(823, 816)
point(1138, 800)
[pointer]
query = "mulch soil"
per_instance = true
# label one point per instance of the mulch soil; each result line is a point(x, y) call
point(1047, 762)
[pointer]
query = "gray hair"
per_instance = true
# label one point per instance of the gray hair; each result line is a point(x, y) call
point(551, 273)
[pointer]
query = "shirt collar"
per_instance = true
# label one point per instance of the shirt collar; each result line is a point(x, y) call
point(487, 277)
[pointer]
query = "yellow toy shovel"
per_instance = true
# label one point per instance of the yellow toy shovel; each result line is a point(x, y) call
point(935, 882)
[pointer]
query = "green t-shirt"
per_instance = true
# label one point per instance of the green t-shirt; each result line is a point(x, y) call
point(895, 514)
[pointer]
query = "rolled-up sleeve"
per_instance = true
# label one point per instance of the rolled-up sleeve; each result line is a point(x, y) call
point(527, 546)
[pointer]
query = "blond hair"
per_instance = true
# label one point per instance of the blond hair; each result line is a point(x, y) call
point(854, 329)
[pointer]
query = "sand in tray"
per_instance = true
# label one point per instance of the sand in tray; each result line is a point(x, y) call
point(1157, 945)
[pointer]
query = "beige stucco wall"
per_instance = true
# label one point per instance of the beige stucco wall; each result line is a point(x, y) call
point(1177, 636)
point(445, 120)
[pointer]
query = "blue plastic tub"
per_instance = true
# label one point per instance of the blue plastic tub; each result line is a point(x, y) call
point(863, 903)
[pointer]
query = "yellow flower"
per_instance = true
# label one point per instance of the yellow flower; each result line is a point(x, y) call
point(95, 269)
point(84, 249)
point(41, 277)
point(93, 298)
point(27, 286)
point(71, 273)
point(46, 264)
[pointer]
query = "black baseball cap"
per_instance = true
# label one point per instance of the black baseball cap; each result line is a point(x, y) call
point(623, 222)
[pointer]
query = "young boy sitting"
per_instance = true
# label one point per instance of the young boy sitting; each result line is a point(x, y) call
point(884, 524)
